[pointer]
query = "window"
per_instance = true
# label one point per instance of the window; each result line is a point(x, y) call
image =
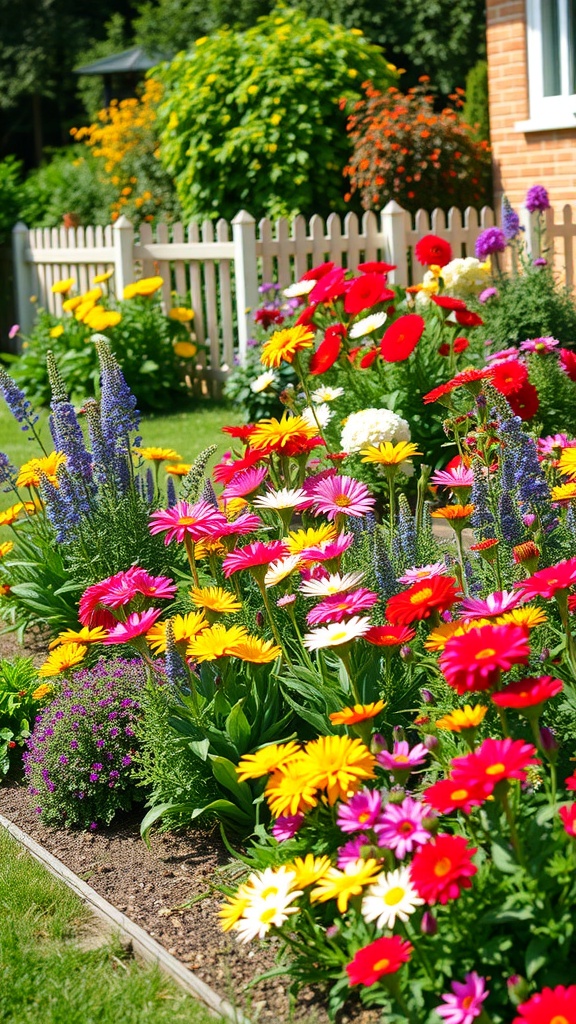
point(551, 26)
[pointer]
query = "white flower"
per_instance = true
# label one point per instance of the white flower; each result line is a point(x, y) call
point(391, 897)
point(367, 325)
point(322, 415)
point(263, 381)
point(466, 277)
point(337, 633)
point(280, 569)
point(326, 394)
point(286, 497)
point(334, 584)
point(371, 426)
point(269, 894)
point(294, 291)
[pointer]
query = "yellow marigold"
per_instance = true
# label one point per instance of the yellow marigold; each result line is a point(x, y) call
point(342, 885)
point(282, 346)
point(6, 548)
point(215, 599)
point(42, 691)
point(158, 454)
point(453, 512)
point(57, 331)
point(309, 869)
point(179, 468)
point(337, 764)
point(100, 319)
point(288, 791)
point(357, 713)
point(564, 492)
point(567, 463)
point(268, 759)
point(11, 514)
point(185, 627)
point(275, 433)
point(181, 313)
point(61, 287)
point(85, 635)
point(29, 475)
point(256, 650)
point(185, 349)
point(144, 287)
point(62, 658)
point(529, 615)
point(84, 308)
point(216, 642)
point(71, 304)
point(464, 718)
point(299, 540)
point(388, 454)
point(101, 278)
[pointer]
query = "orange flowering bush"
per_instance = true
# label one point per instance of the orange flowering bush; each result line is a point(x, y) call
point(405, 150)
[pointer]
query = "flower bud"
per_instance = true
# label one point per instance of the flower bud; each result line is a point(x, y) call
point(430, 742)
point(398, 734)
point(518, 989)
point(429, 924)
point(427, 696)
point(528, 519)
point(378, 743)
point(550, 744)
point(406, 653)
point(259, 619)
point(332, 931)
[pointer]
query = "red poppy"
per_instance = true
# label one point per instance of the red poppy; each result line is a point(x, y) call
point(306, 316)
point(376, 267)
point(389, 636)
point(474, 660)
point(447, 302)
point(317, 272)
point(460, 344)
point(550, 1006)
point(441, 868)
point(494, 761)
point(364, 292)
point(528, 693)
point(384, 956)
point(401, 338)
point(328, 350)
point(525, 402)
point(432, 250)
point(447, 796)
point(418, 602)
point(568, 362)
point(466, 318)
point(368, 358)
point(331, 286)
point(509, 376)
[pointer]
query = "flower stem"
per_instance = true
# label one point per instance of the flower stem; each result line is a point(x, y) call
point(189, 545)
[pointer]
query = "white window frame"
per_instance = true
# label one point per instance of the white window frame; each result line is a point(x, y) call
point(547, 112)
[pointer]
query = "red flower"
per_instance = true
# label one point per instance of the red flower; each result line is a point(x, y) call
point(224, 471)
point(547, 582)
point(474, 660)
point(328, 350)
point(299, 446)
point(401, 338)
point(460, 344)
point(441, 868)
point(550, 1006)
point(525, 402)
point(364, 292)
point(447, 302)
point(449, 795)
point(494, 761)
point(384, 956)
point(331, 286)
point(376, 267)
point(389, 636)
point(509, 376)
point(570, 782)
point(242, 432)
point(418, 601)
point(432, 250)
point(466, 318)
point(470, 376)
point(368, 358)
point(568, 815)
point(306, 316)
point(317, 272)
point(568, 362)
point(528, 693)
point(268, 315)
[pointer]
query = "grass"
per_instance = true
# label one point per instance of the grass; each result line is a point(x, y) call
point(47, 978)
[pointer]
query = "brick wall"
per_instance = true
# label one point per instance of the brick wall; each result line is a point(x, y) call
point(521, 159)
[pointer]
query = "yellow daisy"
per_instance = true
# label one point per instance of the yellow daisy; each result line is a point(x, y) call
point(342, 885)
point(206, 547)
point(11, 514)
point(85, 635)
point(181, 313)
point(185, 349)
point(300, 540)
point(216, 642)
point(185, 627)
point(62, 658)
point(215, 599)
point(567, 463)
point(84, 308)
point(288, 791)
point(282, 346)
point(146, 286)
point(530, 616)
point(439, 637)
point(273, 433)
point(463, 718)
point(57, 331)
point(100, 319)
point(256, 651)
point(309, 869)
point(61, 287)
point(29, 475)
point(338, 764)
point(158, 454)
point(358, 713)
point(231, 912)
point(6, 548)
point(388, 454)
point(268, 759)
point(42, 691)
point(101, 278)
point(564, 492)
point(71, 304)
point(178, 468)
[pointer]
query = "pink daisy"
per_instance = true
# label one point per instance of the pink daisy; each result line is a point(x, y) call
point(400, 827)
point(495, 604)
point(342, 495)
point(182, 519)
point(553, 444)
point(502, 356)
point(125, 585)
point(340, 606)
point(351, 851)
point(287, 825)
point(464, 1005)
point(539, 345)
point(244, 483)
point(423, 572)
point(246, 522)
point(455, 478)
point(363, 810)
point(402, 757)
point(311, 482)
point(329, 550)
point(253, 556)
point(136, 625)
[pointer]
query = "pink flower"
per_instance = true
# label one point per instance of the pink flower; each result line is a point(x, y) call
point(553, 444)
point(423, 572)
point(245, 482)
point(118, 590)
point(502, 356)
point(488, 293)
point(475, 660)
point(402, 758)
point(351, 851)
point(136, 624)
point(253, 556)
point(539, 345)
point(458, 476)
point(327, 551)
point(339, 606)
point(246, 522)
point(13, 331)
point(495, 604)
point(362, 811)
point(286, 601)
point(400, 827)
point(287, 826)
point(342, 495)
point(547, 582)
point(183, 519)
point(465, 1004)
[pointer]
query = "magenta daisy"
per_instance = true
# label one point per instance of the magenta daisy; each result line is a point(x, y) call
point(457, 478)
point(351, 851)
point(485, 608)
point(245, 483)
point(402, 757)
point(363, 810)
point(464, 1004)
point(553, 444)
point(400, 827)
point(124, 586)
point(253, 556)
point(135, 625)
point(287, 826)
point(340, 606)
point(342, 495)
point(328, 550)
point(423, 572)
point(183, 519)
point(246, 522)
point(539, 345)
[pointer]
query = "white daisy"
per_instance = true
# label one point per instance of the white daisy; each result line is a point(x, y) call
point(367, 325)
point(294, 291)
point(263, 381)
point(322, 415)
point(337, 633)
point(263, 914)
point(326, 394)
point(391, 897)
point(334, 584)
point(280, 569)
point(286, 497)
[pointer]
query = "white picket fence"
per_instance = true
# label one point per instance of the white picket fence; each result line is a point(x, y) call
point(218, 267)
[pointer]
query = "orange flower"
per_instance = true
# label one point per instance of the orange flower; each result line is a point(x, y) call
point(357, 713)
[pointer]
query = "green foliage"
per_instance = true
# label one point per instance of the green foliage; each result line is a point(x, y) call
point(557, 395)
point(476, 112)
point(252, 119)
point(10, 196)
point(70, 182)
point(532, 304)
point(41, 594)
point(18, 706)
point(260, 404)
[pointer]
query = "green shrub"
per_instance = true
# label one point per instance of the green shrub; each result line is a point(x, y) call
point(10, 196)
point(476, 112)
point(70, 182)
point(20, 698)
point(529, 305)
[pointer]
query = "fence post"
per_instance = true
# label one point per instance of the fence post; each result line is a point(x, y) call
point(22, 278)
point(395, 244)
point(123, 235)
point(245, 275)
point(531, 223)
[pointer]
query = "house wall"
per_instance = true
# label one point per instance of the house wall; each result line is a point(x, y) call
point(521, 158)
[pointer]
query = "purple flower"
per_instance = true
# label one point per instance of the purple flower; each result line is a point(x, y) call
point(540, 262)
point(490, 241)
point(13, 331)
point(488, 293)
point(464, 1004)
point(510, 220)
point(351, 851)
point(362, 811)
point(286, 826)
point(401, 829)
point(402, 757)
point(537, 199)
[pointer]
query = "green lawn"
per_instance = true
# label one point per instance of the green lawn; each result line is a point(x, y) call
point(46, 977)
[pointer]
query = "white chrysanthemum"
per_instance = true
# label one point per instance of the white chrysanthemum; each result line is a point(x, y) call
point(337, 633)
point(294, 291)
point(263, 381)
point(326, 394)
point(286, 497)
point(336, 583)
point(392, 897)
point(280, 569)
point(367, 325)
point(322, 415)
point(371, 426)
point(466, 277)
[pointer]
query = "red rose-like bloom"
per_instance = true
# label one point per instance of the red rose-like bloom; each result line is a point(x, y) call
point(460, 344)
point(528, 693)
point(389, 636)
point(568, 362)
point(509, 376)
point(550, 1006)
point(466, 318)
point(432, 250)
point(449, 795)
point(418, 601)
point(268, 315)
point(318, 272)
point(401, 338)
point(547, 582)
point(568, 815)
point(447, 302)
point(470, 376)
point(364, 292)
point(494, 761)
point(331, 286)
point(474, 660)
point(385, 956)
point(328, 350)
point(376, 267)
point(368, 358)
point(525, 402)
point(442, 868)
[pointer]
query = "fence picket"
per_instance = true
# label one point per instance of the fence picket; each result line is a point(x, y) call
point(300, 247)
point(196, 294)
point(180, 283)
point(211, 301)
point(225, 289)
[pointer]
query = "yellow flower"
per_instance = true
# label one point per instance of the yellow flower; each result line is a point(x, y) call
point(215, 599)
point(388, 454)
point(29, 475)
point(337, 764)
point(201, 41)
point(231, 912)
point(565, 492)
point(309, 869)
point(342, 885)
point(463, 718)
point(93, 294)
point(6, 548)
point(358, 713)
point(440, 636)
point(216, 642)
point(100, 319)
point(282, 346)
point(273, 432)
point(256, 650)
point(206, 547)
point(100, 278)
point(185, 628)
point(71, 304)
point(57, 331)
point(268, 759)
point(85, 306)
point(288, 791)
point(181, 313)
point(11, 514)
point(44, 690)
point(299, 540)
point(567, 463)
point(530, 616)
point(179, 468)
point(146, 286)
point(185, 349)
point(62, 658)
point(158, 454)
point(61, 287)
point(85, 635)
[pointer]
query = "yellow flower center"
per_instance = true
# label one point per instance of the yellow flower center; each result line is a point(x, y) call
point(406, 828)
point(363, 817)
point(382, 965)
point(559, 1019)
point(401, 758)
point(343, 501)
point(496, 769)
point(394, 896)
point(442, 867)
point(272, 890)
point(488, 652)
point(459, 794)
point(338, 636)
point(187, 521)
point(421, 595)
point(467, 1002)
point(267, 915)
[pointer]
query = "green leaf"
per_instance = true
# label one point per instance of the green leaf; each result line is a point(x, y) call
point(224, 772)
point(238, 728)
point(503, 859)
point(536, 955)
